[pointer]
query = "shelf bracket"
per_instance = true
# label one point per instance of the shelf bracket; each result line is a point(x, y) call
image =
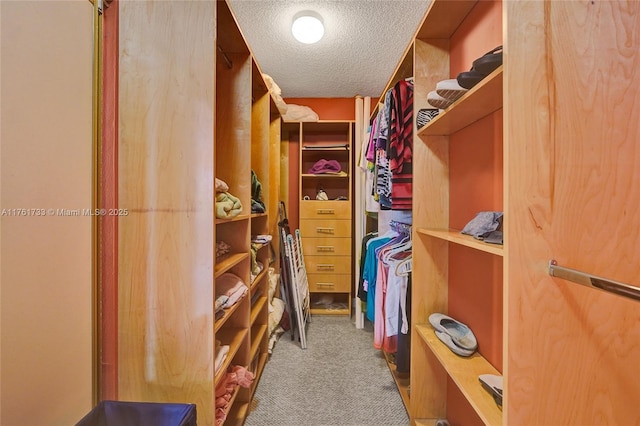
point(588, 280)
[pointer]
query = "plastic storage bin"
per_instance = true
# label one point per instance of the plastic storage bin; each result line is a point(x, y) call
point(122, 413)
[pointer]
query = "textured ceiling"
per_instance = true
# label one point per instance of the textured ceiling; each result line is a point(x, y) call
point(363, 42)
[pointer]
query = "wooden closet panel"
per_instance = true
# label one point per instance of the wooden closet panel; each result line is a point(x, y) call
point(431, 182)
point(573, 159)
point(166, 181)
point(48, 363)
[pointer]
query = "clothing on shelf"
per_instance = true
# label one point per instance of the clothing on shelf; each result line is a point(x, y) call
point(236, 376)
point(227, 206)
point(232, 286)
point(257, 204)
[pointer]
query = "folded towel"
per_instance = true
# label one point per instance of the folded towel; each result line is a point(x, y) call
point(227, 206)
point(227, 284)
point(220, 357)
point(236, 295)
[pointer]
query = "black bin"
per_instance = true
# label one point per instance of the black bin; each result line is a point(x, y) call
point(123, 413)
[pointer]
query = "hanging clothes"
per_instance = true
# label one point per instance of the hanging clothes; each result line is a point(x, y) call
point(400, 145)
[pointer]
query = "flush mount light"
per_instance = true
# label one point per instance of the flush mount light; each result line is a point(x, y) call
point(307, 28)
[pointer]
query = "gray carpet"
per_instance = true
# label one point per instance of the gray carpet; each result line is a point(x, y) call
point(339, 380)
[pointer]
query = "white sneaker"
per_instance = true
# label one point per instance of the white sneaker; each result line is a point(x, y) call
point(438, 101)
point(450, 89)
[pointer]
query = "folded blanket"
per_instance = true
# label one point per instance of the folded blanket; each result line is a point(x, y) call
point(220, 357)
point(227, 284)
point(220, 302)
point(227, 206)
point(221, 186)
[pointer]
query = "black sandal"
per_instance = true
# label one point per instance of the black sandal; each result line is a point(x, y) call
point(482, 67)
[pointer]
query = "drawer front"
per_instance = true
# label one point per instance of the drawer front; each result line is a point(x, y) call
point(328, 264)
point(325, 209)
point(329, 283)
point(325, 228)
point(326, 246)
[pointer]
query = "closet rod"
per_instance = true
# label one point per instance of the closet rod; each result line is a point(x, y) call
point(225, 57)
point(588, 280)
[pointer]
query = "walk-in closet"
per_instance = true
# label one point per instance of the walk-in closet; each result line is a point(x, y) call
point(320, 213)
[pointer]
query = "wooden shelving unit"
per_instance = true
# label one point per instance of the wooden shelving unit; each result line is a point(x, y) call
point(456, 237)
point(438, 49)
point(465, 372)
point(326, 226)
point(230, 127)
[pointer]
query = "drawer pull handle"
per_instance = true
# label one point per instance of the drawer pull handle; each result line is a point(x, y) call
point(324, 267)
point(324, 230)
point(325, 284)
point(325, 249)
point(325, 211)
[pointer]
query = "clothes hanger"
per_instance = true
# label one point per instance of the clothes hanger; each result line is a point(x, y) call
point(408, 266)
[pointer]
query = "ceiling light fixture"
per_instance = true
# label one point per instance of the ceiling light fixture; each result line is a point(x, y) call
point(307, 28)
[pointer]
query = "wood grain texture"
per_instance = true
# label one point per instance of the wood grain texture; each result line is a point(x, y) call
point(573, 191)
point(166, 174)
point(108, 191)
point(233, 126)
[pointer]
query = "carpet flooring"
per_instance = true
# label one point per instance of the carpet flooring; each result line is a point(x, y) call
point(339, 380)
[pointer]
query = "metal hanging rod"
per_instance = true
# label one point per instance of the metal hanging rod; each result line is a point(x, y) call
point(588, 280)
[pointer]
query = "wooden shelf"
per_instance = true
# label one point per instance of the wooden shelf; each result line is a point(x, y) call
point(454, 236)
point(255, 343)
point(238, 413)
point(259, 278)
point(257, 307)
point(233, 337)
point(228, 261)
point(325, 176)
point(257, 215)
point(482, 100)
point(426, 422)
point(443, 18)
point(464, 372)
point(401, 383)
point(238, 218)
point(227, 314)
point(258, 373)
point(324, 311)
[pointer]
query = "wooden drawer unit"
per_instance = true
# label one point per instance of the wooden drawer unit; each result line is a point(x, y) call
point(313, 209)
point(327, 246)
point(328, 264)
point(325, 228)
point(329, 283)
point(326, 225)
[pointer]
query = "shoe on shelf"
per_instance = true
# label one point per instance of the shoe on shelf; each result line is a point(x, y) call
point(460, 334)
point(438, 101)
point(493, 384)
point(482, 67)
point(450, 89)
point(446, 339)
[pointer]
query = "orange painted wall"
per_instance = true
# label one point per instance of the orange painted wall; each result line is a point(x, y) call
point(328, 108)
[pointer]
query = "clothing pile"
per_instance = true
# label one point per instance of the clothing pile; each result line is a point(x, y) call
point(227, 205)
point(257, 204)
point(236, 376)
point(229, 289)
